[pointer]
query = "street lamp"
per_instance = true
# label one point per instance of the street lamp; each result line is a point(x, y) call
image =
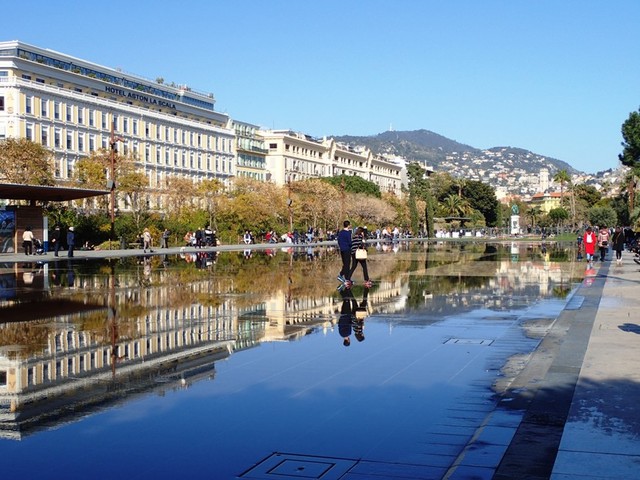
point(289, 204)
point(111, 184)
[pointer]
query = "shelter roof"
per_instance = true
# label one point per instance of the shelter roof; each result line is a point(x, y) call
point(46, 193)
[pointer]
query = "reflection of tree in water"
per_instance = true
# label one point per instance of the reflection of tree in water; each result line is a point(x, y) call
point(31, 336)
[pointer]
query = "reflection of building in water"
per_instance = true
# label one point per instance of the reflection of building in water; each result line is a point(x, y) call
point(92, 360)
point(290, 317)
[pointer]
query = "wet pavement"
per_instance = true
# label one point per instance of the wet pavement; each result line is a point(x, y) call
point(465, 361)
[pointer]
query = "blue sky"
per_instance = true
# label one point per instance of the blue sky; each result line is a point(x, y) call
point(557, 77)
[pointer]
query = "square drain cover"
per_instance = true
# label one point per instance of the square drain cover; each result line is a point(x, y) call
point(468, 341)
point(289, 466)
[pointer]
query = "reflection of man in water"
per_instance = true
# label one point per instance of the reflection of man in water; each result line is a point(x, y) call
point(347, 316)
point(361, 313)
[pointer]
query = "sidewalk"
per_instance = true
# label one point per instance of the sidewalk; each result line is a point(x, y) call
point(137, 252)
point(579, 392)
point(601, 438)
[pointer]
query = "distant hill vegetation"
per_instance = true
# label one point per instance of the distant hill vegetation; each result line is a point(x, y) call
point(441, 152)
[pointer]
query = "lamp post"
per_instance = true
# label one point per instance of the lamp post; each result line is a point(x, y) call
point(112, 181)
point(289, 204)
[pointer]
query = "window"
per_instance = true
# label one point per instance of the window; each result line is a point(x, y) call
point(104, 120)
point(125, 125)
point(69, 141)
point(81, 142)
point(92, 122)
point(1, 103)
point(92, 142)
point(57, 138)
point(69, 113)
point(56, 110)
point(135, 127)
point(44, 108)
point(28, 105)
point(3, 378)
point(80, 115)
point(29, 132)
point(44, 136)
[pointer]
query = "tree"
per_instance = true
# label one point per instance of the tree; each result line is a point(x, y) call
point(534, 213)
point(562, 177)
point(420, 186)
point(25, 162)
point(558, 215)
point(603, 216)
point(482, 197)
point(630, 155)
point(355, 184)
point(209, 190)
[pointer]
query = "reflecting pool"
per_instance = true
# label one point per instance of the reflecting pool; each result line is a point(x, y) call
point(237, 364)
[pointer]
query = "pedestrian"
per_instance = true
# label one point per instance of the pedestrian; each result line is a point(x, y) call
point(71, 241)
point(165, 238)
point(618, 243)
point(27, 241)
point(146, 241)
point(344, 244)
point(55, 239)
point(589, 242)
point(603, 242)
point(359, 255)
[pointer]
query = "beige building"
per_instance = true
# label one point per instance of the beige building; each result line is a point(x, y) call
point(294, 156)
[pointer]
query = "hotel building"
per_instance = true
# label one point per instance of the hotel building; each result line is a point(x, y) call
point(70, 106)
point(294, 156)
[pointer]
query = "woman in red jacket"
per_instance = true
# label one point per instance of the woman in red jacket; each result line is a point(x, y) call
point(589, 241)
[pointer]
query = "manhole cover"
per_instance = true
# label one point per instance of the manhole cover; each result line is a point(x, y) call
point(289, 466)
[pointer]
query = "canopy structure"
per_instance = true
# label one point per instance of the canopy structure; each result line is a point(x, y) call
point(46, 193)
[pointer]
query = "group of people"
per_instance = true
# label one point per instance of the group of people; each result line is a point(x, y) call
point(29, 241)
point(202, 237)
point(351, 257)
point(602, 241)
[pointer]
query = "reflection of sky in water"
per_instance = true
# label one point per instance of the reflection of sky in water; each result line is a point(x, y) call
point(441, 326)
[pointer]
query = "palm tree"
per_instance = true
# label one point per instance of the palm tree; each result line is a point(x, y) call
point(534, 213)
point(563, 177)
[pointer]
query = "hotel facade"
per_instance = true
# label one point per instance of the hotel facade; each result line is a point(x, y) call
point(294, 156)
point(71, 105)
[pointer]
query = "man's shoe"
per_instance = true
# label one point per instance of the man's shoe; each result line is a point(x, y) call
point(341, 278)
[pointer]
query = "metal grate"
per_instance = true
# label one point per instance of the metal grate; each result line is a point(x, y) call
point(288, 466)
point(468, 341)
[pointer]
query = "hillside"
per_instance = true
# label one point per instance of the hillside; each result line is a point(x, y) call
point(442, 153)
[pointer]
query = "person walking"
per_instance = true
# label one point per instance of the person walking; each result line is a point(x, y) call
point(359, 255)
point(344, 244)
point(55, 239)
point(71, 241)
point(146, 241)
point(589, 242)
point(27, 241)
point(603, 242)
point(165, 238)
point(618, 243)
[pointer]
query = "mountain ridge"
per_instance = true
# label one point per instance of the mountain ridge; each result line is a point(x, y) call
point(442, 153)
